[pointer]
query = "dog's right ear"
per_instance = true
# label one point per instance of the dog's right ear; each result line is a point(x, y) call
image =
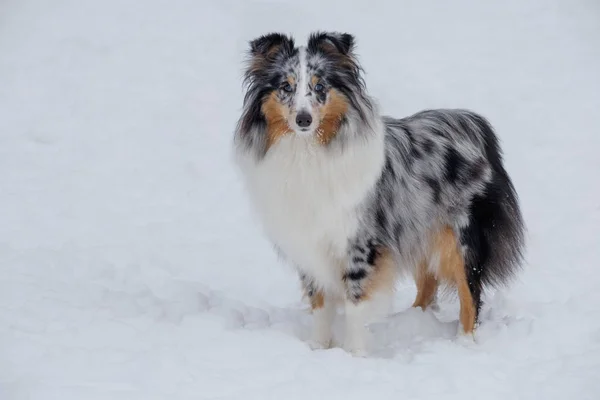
point(267, 46)
point(264, 51)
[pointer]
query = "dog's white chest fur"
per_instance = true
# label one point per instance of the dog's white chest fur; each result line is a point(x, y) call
point(308, 199)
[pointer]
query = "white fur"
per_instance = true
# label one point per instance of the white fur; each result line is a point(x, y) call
point(360, 315)
point(323, 317)
point(302, 98)
point(301, 101)
point(357, 336)
point(308, 198)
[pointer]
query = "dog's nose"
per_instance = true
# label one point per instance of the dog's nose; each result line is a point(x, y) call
point(303, 119)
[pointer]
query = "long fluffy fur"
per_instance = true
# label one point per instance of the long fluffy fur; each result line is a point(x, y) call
point(379, 185)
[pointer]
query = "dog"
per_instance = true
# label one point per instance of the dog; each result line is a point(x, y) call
point(351, 197)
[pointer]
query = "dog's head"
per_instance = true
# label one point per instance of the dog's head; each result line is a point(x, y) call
point(310, 90)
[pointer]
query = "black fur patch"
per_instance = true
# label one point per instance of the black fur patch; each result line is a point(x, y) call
point(356, 275)
point(371, 255)
point(428, 146)
point(321, 96)
point(343, 42)
point(264, 44)
point(435, 187)
point(415, 152)
point(455, 164)
point(381, 218)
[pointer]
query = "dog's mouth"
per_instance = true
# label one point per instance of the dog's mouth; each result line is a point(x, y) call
point(303, 131)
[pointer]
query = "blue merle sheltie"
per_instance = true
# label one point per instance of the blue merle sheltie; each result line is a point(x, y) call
point(351, 197)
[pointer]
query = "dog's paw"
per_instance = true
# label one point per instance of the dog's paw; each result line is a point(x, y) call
point(356, 348)
point(358, 352)
point(463, 337)
point(315, 344)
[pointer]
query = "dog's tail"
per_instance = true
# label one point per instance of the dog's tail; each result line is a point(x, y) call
point(497, 233)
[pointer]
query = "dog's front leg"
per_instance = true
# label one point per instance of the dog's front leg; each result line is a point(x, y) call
point(323, 310)
point(369, 278)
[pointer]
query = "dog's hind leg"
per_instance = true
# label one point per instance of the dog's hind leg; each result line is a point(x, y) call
point(426, 286)
point(452, 268)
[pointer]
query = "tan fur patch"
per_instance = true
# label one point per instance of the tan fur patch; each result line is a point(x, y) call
point(314, 80)
point(260, 61)
point(317, 301)
point(344, 60)
point(273, 51)
point(275, 114)
point(330, 48)
point(331, 116)
point(291, 80)
point(426, 287)
point(452, 269)
point(384, 275)
point(256, 65)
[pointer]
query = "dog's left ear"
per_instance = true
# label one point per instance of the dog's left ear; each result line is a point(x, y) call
point(328, 42)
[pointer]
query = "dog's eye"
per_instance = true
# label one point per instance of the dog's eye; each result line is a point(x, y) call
point(287, 87)
point(319, 88)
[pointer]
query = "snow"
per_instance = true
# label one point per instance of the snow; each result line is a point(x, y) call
point(132, 268)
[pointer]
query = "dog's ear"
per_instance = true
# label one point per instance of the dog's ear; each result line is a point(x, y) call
point(264, 51)
point(267, 46)
point(329, 42)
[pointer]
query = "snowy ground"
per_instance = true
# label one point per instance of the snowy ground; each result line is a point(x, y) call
point(131, 268)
